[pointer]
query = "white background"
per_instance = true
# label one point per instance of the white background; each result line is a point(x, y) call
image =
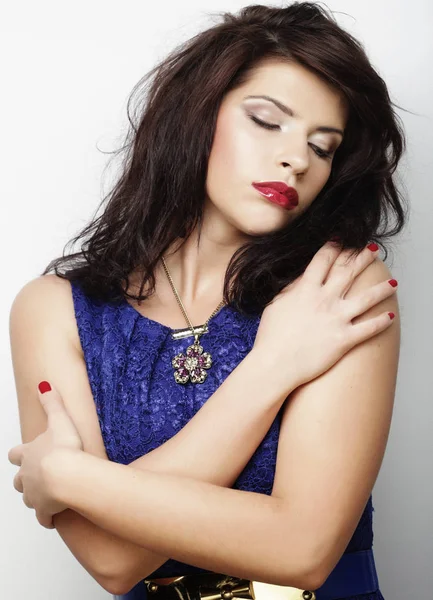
point(66, 72)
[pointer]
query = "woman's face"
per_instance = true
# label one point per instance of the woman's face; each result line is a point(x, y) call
point(244, 152)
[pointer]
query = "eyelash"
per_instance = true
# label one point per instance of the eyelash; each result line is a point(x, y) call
point(320, 153)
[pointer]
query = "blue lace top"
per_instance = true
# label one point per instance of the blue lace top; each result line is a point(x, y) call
point(140, 406)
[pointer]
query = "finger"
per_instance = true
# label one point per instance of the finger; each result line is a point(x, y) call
point(60, 422)
point(347, 267)
point(15, 455)
point(368, 298)
point(53, 404)
point(18, 484)
point(45, 520)
point(365, 330)
point(320, 264)
point(51, 400)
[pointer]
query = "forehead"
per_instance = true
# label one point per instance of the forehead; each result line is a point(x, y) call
point(303, 91)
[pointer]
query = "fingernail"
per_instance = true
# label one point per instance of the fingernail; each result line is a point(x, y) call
point(373, 247)
point(391, 315)
point(393, 282)
point(44, 386)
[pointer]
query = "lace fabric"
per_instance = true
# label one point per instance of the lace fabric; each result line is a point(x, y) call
point(140, 406)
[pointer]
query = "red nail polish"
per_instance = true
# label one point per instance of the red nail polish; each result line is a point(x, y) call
point(44, 386)
point(373, 247)
point(391, 315)
point(393, 282)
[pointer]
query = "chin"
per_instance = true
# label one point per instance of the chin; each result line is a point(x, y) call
point(260, 230)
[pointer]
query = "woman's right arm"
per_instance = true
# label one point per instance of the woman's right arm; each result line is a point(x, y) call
point(214, 446)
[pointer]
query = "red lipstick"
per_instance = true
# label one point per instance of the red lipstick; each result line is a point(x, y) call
point(278, 192)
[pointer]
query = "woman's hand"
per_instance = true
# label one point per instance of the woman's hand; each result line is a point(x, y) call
point(308, 325)
point(32, 479)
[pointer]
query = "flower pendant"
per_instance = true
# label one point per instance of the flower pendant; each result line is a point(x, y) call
point(191, 366)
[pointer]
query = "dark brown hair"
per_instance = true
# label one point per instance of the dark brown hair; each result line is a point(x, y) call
point(169, 142)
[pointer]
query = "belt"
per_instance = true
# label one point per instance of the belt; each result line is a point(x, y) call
point(355, 574)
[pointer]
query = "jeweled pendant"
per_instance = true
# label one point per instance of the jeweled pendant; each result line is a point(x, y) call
point(191, 365)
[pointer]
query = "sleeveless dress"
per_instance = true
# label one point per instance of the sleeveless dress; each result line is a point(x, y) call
point(140, 406)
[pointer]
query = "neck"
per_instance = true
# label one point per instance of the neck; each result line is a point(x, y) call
point(198, 267)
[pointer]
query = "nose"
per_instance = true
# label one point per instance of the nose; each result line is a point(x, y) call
point(295, 154)
point(298, 167)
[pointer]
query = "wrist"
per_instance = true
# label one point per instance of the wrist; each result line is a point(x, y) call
point(282, 375)
point(58, 468)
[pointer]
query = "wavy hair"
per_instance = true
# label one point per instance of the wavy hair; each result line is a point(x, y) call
point(159, 196)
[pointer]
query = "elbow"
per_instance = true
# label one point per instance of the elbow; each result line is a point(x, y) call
point(113, 585)
point(116, 587)
point(116, 583)
point(311, 577)
point(113, 580)
point(313, 581)
point(121, 584)
point(299, 569)
point(306, 580)
point(299, 557)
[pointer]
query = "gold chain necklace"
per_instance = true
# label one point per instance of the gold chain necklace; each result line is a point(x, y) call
point(191, 365)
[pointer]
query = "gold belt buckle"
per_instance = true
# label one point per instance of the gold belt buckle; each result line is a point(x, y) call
point(154, 585)
point(256, 590)
point(270, 591)
point(231, 589)
point(228, 591)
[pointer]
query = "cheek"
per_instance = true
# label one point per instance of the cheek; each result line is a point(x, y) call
point(229, 162)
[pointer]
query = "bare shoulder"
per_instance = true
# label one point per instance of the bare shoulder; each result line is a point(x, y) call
point(51, 296)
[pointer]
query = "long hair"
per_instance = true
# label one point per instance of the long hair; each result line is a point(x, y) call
point(159, 196)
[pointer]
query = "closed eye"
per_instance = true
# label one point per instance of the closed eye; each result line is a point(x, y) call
point(321, 153)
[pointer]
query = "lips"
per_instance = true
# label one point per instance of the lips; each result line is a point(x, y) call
point(278, 192)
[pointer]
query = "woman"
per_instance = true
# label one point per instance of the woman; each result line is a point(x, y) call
point(238, 366)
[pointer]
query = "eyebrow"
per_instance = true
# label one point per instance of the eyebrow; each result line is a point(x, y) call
point(290, 112)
